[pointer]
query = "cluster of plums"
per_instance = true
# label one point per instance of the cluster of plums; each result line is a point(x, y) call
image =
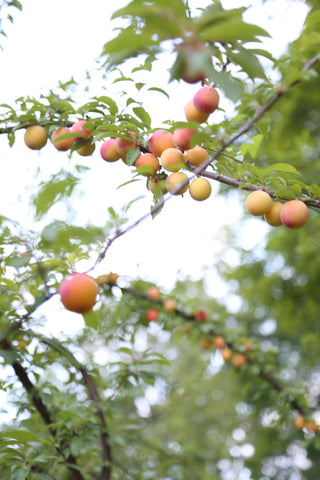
point(293, 213)
point(169, 151)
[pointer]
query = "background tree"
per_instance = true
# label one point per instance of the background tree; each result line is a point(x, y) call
point(174, 384)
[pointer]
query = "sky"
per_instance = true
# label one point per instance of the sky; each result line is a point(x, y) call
point(48, 45)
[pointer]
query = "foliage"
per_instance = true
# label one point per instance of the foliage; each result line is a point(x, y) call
point(127, 398)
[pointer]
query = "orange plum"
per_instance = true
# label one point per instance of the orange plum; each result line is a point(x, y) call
point(78, 292)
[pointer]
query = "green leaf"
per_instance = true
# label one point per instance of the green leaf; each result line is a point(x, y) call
point(132, 156)
point(233, 30)
point(60, 186)
point(91, 319)
point(254, 146)
point(160, 90)
point(143, 115)
point(247, 61)
point(282, 167)
point(22, 436)
point(145, 170)
point(113, 108)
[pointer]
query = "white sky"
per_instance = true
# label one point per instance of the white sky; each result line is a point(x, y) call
point(48, 43)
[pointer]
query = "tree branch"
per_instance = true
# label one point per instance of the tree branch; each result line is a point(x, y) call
point(192, 318)
point(239, 184)
point(44, 413)
point(200, 170)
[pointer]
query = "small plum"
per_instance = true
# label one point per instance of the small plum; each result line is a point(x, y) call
point(172, 159)
point(193, 115)
point(123, 144)
point(77, 127)
point(226, 354)
point(175, 180)
point(157, 185)
point(196, 156)
point(159, 141)
point(258, 203)
point(239, 360)
point(61, 145)
point(201, 315)
point(206, 100)
point(205, 343)
point(218, 342)
point(153, 293)
point(148, 160)
point(35, 137)
point(108, 151)
point(152, 315)
point(200, 189)
point(170, 305)
point(78, 292)
point(273, 215)
point(294, 214)
point(182, 137)
point(86, 149)
point(107, 279)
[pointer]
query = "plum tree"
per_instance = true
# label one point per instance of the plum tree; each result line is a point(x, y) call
point(112, 392)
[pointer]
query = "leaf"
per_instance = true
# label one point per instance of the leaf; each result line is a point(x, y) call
point(126, 350)
point(282, 167)
point(160, 90)
point(113, 108)
point(247, 61)
point(143, 115)
point(233, 30)
point(22, 436)
point(91, 319)
point(60, 186)
point(145, 170)
point(132, 156)
point(254, 146)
